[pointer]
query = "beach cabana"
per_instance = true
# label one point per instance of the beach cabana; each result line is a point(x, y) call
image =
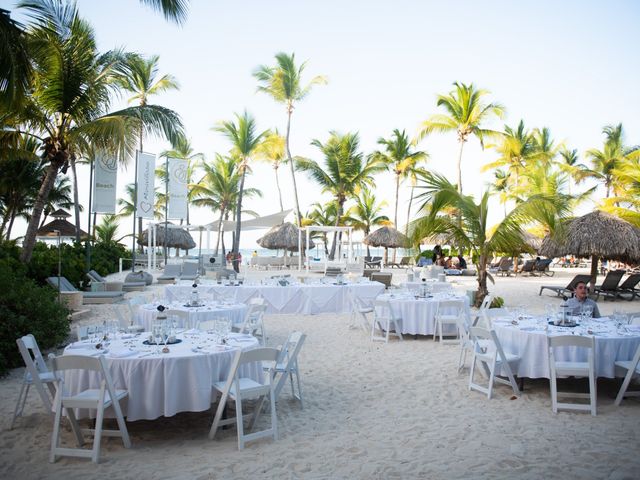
point(177, 237)
point(387, 237)
point(598, 235)
point(66, 229)
point(284, 237)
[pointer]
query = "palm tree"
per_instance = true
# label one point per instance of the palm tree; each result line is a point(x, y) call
point(244, 140)
point(321, 215)
point(627, 204)
point(272, 150)
point(473, 232)
point(15, 65)
point(345, 171)
point(106, 230)
point(466, 114)
point(219, 189)
point(501, 187)
point(545, 148)
point(400, 158)
point(284, 84)
point(366, 213)
point(68, 108)
point(570, 163)
point(174, 10)
point(613, 155)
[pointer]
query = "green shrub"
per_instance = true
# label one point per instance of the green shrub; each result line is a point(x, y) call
point(26, 307)
point(497, 302)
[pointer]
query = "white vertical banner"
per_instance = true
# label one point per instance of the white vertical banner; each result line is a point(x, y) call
point(177, 188)
point(105, 178)
point(146, 184)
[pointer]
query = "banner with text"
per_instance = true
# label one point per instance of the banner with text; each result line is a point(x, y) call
point(146, 184)
point(105, 179)
point(177, 188)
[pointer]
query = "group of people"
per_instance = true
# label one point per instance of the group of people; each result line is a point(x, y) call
point(450, 262)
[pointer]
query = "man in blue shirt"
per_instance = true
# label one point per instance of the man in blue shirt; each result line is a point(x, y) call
point(580, 300)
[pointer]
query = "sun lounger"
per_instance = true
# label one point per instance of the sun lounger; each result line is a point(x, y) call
point(568, 290)
point(628, 287)
point(609, 286)
point(372, 262)
point(504, 268)
point(170, 274)
point(189, 271)
point(87, 297)
point(527, 267)
point(95, 277)
point(542, 267)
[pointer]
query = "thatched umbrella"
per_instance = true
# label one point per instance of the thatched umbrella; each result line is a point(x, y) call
point(283, 237)
point(387, 237)
point(597, 235)
point(176, 238)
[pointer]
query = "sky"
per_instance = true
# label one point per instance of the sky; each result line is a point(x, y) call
point(568, 65)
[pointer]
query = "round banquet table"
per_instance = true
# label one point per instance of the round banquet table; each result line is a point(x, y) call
point(146, 314)
point(528, 339)
point(296, 298)
point(435, 286)
point(163, 384)
point(418, 314)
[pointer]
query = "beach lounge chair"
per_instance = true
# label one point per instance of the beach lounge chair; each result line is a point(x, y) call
point(189, 271)
point(628, 287)
point(170, 274)
point(568, 290)
point(95, 277)
point(609, 286)
point(542, 267)
point(382, 278)
point(87, 297)
point(373, 262)
point(505, 267)
point(528, 267)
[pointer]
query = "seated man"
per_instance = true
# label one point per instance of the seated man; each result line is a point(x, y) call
point(462, 263)
point(580, 300)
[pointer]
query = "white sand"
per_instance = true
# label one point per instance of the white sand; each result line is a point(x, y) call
point(372, 411)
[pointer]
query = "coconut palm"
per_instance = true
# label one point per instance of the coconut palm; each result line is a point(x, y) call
point(613, 155)
point(15, 65)
point(244, 141)
point(546, 150)
point(174, 10)
point(219, 188)
point(366, 213)
point(500, 186)
point(283, 83)
point(272, 150)
point(626, 205)
point(107, 230)
point(398, 154)
point(345, 172)
point(69, 106)
point(467, 114)
point(473, 232)
point(570, 163)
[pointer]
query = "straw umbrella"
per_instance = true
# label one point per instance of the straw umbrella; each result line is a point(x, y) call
point(176, 237)
point(387, 237)
point(283, 237)
point(598, 235)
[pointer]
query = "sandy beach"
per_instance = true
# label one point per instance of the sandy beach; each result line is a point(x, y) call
point(372, 411)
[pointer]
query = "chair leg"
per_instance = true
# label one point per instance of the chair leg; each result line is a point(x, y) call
point(553, 383)
point(492, 377)
point(593, 393)
point(55, 435)
point(239, 422)
point(20, 403)
point(274, 417)
point(299, 387)
point(77, 431)
point(217, 416)
point(97, 438)
point(122, 426)
point(623, 388)
point(472, 369)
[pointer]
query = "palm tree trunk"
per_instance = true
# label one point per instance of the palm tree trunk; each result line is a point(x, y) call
point(220, 232)
point(5, 220)
point(459, 165)
point(482, 280)
point(293, 171)
point(279, 191)
point(406, 228)
point(47, 184)
point(13, 218)
point(44, 218)
point(238, 215)
point(76, 200)
point(335, 234)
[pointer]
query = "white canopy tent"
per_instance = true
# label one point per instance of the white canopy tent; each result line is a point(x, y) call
point(319, 228)
point(259, 223)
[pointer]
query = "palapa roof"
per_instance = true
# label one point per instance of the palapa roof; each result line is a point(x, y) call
point(65, 228)
point(283, 237)
point(596, 234)
point(387, 237)
point(60, 213)
point(177, 237)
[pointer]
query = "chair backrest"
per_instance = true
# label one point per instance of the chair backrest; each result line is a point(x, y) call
point(172, 270)
point(383, 308)
point(289, 351)
point(446, 307)
point(83, 362)
point(96, 276)
point(631, 281)
point(65, 285)
point(31, 355)
point(253, 317)
point(490, 342)
point(543, 265)
point(612, 280)
point(189, 268)
point(384, 278)
point(572, 341)
point(242, 357)
point(528, 266)
point(505, 264)
point(577, 279)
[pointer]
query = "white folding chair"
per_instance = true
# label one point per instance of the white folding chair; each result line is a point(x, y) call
point(385, 319)
point(486, 303)
point(360, 310)
point(633, 371)
point(466, 342)
point(449, 312)
point(83, 332)
point(243, 388)
point(96, 399)
point(574, 369)
point(492, 359)
point(286, 366)
point(254, 322)
point(36, 374)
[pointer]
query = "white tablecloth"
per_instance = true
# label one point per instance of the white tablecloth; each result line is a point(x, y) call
point(435, 286)
point(291, 299)
point(528, 339)
point(164, 384)
point(418, 315)
point(146, 314)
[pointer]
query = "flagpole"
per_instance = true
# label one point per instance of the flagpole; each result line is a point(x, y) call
point(135, 207)
point(88, 246)
point(166, 206)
